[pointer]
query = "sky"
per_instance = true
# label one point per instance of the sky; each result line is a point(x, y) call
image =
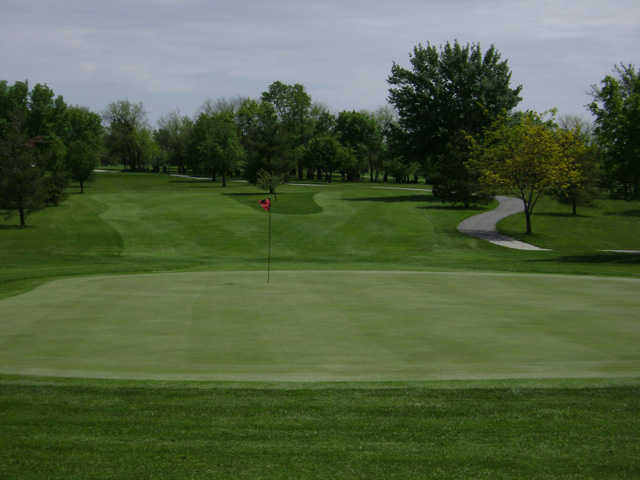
point(171, 54)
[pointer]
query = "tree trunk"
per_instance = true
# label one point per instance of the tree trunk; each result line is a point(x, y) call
point(574, 207)
point(527, 215)
point(22, 222)
point(81, 186)
point(224, 180)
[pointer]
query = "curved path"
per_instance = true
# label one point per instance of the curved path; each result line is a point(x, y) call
point(483, 225)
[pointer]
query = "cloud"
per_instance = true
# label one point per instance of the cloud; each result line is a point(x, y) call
point(172, 54)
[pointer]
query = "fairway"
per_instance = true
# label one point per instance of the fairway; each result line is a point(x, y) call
point(324, 326)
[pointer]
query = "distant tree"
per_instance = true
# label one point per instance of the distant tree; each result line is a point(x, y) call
point(220, 105)
point(324, 153)
point(84, 140)
point(578, 175)
point(292, 105)
point(173, 136)
point(217, 142)
point(125, 140)
point(22, 176)
point(359, 131)
point(616, 106)
point(31, 148)
point(527, 159)
point(264, 139)
point(447, 91)
point(269, 181)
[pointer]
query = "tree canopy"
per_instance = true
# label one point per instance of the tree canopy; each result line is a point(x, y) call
point(528, 157)
point(126, 139)
point(456, 88)
point(32, 147)
point(616, 106)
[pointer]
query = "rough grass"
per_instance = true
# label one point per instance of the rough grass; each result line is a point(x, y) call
point(58, 429)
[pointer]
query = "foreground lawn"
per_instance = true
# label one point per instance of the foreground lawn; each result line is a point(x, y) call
point(61, 429)
point(325, 325)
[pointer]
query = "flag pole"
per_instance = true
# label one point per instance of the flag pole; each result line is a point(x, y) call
point(266, 205)
point(269, 255)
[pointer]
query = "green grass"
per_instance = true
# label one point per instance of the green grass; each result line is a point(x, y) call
point(350, 299)
point(149, 223)
point(605, 225)
point(325, 325)
point(61, 429)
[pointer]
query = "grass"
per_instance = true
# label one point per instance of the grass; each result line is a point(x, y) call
point(605, 225)
point(325, 325)
point(149, 223)
point(60, 429)
point(69, 307)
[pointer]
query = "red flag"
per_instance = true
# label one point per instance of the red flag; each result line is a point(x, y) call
point(266, 204)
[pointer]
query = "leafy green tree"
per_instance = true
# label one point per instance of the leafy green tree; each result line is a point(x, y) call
point(218, 143)
point(577, 179)
point(324, 153)
point(22, 176)
point(447, 91)
point(292, 105)
point(359, 131)
point(616, 106)
point(269, 181)
point(264, 139)
point(526, 159)
point(125, 140)
point(173, 136)
point(84, 140)
point(31, 149)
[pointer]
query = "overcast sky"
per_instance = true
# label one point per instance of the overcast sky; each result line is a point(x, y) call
point(173, 54)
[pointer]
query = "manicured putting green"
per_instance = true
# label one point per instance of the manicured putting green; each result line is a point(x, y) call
point(329, 325)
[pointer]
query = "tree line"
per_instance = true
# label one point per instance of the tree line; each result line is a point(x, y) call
point(451, 121)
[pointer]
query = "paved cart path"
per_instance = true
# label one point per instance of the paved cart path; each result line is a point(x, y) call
point(483, 225)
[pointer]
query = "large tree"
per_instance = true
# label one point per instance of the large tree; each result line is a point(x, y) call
point(292, 105)
point(456, 88)
point(264, 139)
point(577, 183)
point(217, 143)
point(32, 172)
point(84, 140)
point(616, 105)
point(125, 140)
point(173, 136)
point(360, 132)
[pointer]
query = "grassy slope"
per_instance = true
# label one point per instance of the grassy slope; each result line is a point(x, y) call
point(142, 223)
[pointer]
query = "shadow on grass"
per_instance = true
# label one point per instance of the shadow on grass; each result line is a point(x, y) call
point(451, 207)
point(599, 258)
point(626, 213)
point(14, 227)
point(561, 214)
point(194, 180)
point(250, 194)
point(394, 199)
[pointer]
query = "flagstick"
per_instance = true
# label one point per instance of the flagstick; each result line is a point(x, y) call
point(269, 255)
